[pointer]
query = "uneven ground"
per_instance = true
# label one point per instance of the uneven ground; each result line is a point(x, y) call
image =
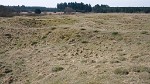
point(75, 49)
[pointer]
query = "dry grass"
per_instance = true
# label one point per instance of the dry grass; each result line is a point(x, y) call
point(75, 49)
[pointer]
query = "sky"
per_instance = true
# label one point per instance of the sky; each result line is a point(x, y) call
point(53, 3)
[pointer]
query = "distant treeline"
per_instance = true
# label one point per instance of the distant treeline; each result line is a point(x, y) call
point(6, 11)
point(78, 7)
point(75, 7)
point(9, 11)
point(81, 7)
point(106, 9)
point(31, 9)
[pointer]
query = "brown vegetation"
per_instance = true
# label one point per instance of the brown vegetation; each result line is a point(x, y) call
point(75, 49)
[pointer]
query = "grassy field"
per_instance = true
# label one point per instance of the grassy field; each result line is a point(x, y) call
point(75, 49)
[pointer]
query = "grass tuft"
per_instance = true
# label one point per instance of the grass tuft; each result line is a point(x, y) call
point(121, 71)
point(144, 32)
point(140, 69)
point(115, 33)
point(34, 43)
point(83, 29)
point(57, 69)
point(85, 42)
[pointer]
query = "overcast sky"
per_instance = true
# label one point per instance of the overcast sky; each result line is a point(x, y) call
point(53, 3)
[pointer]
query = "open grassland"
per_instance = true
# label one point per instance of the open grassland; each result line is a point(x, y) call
point(75, 49)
